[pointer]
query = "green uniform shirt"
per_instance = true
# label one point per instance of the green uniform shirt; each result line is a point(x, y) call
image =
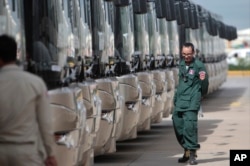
point(191, 88)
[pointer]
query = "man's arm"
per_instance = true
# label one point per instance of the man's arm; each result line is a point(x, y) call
point(204, 80)
point(44, 118)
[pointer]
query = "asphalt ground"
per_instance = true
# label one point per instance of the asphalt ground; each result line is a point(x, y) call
point(225, 126)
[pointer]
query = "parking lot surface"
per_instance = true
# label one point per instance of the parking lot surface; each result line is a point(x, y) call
point(225, 126)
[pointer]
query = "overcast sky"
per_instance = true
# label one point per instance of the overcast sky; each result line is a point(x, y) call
point(234, 12)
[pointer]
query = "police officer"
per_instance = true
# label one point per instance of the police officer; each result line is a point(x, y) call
point(193, 84)
point(25, 120)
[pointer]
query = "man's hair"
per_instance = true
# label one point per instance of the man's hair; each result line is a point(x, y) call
point(8, 48)
point(189, 45)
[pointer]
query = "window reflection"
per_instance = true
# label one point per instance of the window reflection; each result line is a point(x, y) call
point(11, 23)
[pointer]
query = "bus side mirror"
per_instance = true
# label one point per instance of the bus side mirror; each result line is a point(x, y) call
point(231, 33)
point(121, 3)
point(234, 33)
point(194, 17)
point(221, 28)
point(139, 6)
point(214, 27)
point(209, 25)
point(171, 11)
point(165, 8)
point(187, 15)
point(179, 12)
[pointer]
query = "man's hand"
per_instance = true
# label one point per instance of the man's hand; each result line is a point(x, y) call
point(50, 161)
point(202, 75)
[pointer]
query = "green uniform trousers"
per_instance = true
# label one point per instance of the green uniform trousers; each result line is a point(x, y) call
point(186, 130)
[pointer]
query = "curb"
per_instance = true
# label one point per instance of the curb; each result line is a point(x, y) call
point(238, 72)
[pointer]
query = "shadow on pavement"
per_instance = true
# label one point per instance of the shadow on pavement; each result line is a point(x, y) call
point(216, 101)
point(213, 160)
point(157, 145)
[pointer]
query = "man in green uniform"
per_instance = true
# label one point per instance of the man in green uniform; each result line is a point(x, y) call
point(193, 84)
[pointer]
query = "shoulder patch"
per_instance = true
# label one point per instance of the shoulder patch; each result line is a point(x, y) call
point(191, 72)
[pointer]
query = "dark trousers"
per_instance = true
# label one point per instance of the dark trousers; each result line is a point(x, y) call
point(186, 130)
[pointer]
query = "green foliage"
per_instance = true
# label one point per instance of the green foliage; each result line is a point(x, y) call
point(244, 64)
point(233, 67)
point(239, 67)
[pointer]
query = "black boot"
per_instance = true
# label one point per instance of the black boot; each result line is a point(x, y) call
point(192, 158)
point(185, 157)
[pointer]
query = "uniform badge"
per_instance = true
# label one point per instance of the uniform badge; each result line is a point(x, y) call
point(191, 72)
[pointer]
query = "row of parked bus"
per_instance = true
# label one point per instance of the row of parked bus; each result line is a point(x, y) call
point(111, 66)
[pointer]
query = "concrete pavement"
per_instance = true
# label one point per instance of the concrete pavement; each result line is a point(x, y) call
point(225, 126)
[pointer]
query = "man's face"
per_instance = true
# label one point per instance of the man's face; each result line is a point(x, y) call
point(187, 54)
